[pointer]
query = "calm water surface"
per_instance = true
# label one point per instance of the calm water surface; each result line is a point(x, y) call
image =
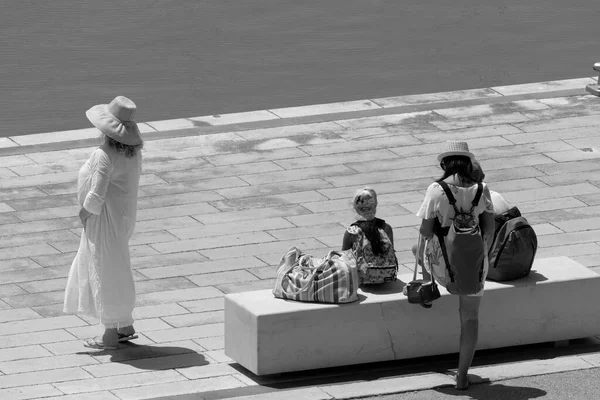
point(188, 58)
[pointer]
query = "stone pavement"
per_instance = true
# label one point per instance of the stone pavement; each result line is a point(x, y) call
point(223, 197)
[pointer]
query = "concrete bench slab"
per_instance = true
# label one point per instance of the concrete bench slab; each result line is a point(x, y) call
point(557, 301)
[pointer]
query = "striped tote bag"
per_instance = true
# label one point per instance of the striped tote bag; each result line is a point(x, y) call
point(302, 277)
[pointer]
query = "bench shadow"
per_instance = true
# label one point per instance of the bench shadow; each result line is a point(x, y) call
point(386, 288)
point(152, 358)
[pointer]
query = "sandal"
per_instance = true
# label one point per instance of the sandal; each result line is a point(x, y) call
point(127, 338)
point(97, 344)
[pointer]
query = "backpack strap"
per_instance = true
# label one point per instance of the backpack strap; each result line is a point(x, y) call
point(440, 232)
point(477, 197)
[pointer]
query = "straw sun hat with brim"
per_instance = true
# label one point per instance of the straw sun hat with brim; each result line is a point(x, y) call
point(454, 148)
point(115, 120)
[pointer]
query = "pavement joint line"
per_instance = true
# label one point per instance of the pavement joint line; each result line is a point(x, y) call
point(288, 121)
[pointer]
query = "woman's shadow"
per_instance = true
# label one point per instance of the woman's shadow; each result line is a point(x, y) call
point(493, 391)
point(153, 357)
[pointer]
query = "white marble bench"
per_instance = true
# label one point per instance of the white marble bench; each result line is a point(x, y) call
point(559, 301)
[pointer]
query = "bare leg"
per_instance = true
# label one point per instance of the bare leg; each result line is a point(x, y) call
point(469, 333)
point(110, 337)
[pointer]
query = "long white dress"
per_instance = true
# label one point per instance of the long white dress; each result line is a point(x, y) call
point(100, 281)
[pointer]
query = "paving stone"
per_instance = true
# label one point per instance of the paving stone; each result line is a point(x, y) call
point(213, 242)
point(566, 168)
point(515, 184)
point(174, 165)
point(54, 310)
point(161, 285)
point(290, 130)
point(33, 338)
point(8, 218)
point(31, 392)
point(172, 296)
point(102, 395)
point(574, 155)
point(16, 264)
point(42, 377)
point(523, 161)
point(35, 299)
point(219, 278)
point(195, 319)
point(10, 290)
point(271, 201)
point(495, 119)
point(262, 248)
point(545, 229)
point(22, 353)
point(429, 98)
point(273, 258)
point(318, 109)
point(558, 123)
point(579, 224)
point(118, 382)
point(225, 228)
point(251, 214)
point(37, 180)
point(42, 324)
point(181, 198)
point(40, 226)
point(273, 189)
point(217, 172)
point(236, 118)
point(198, 306)
point(13, 161)
point(207, 371)
point(364, 145)
point(175, 211)
point(151, 237)
point(46, 363)
point(568, 250)
point(203, 267)
point(559, 113)
point(268, 272)
point(55, 260)
point(549, 204)
point(142, 250)
point(157, 311)
point(218, 356)
point(389, 119)
point(166, 223)
point(238, 287)
point(525, 195)
point(212, 343)
point(26, 251)
point(173, 389)
point(539, 87)
point(187, 187)
point(335, 159)
point(216, 183)
point(143, 263)
point(591, 261)
point(307, 232)
point(292, 175)
point(184, 333)
point(181, 362)
point(17, 314)
point(569, 238)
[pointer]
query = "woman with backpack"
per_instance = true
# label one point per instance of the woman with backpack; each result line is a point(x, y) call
point(443, 222)
point(371, 240)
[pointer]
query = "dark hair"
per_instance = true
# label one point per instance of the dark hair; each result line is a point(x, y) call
point(125, 149)
point(371, 231)
point(460, 166)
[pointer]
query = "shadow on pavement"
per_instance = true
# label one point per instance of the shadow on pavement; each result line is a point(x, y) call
point(153, 357)
point(494, 391)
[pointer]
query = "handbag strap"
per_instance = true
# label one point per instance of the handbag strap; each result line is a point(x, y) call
point(425, 244)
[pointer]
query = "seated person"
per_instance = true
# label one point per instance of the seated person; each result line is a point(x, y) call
point(500, 205)
point(372, 241)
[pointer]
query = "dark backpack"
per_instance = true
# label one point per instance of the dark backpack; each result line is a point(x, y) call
point(462, 247)
point(514, 247)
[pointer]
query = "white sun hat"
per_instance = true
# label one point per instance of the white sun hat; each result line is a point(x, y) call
point(115, 120)
point(455, 148)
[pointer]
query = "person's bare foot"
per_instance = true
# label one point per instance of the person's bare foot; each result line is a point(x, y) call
point(126, 330)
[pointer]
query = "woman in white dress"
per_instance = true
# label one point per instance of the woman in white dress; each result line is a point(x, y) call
point(456, 162)
point(100, 281)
